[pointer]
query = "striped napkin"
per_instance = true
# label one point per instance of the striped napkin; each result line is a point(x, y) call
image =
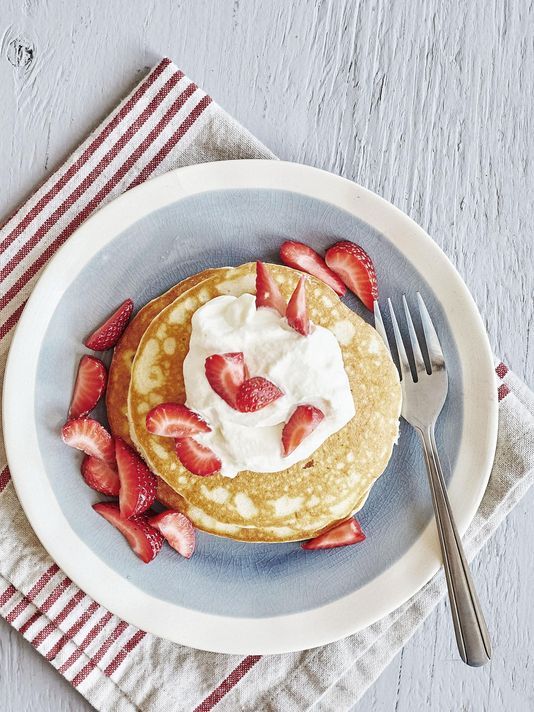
point(168, 122)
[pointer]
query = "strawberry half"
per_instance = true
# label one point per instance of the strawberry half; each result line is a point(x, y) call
point(138, 484)
point(343, 534)
point(145, 541)
point(101, 476)
point(300, 256)
point(267, 291)
point(297, 313)
point(107, 335)
point(90, 437)
point(172, 420)
point(197, 458)
point(352, 263)
point(90, 384)
point(256, 393)
point(225, 374)
point(177, 530)
point(303, 421)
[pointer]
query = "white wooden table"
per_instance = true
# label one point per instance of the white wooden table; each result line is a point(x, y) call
point(429, 103)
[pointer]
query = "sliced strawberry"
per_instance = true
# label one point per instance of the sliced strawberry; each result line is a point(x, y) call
point(267, 291)
point(197, 458)
point(303, 421)
point(225, 374)
point(255, 394)
point(343, 534)
point(145, 541)
point(300, 256)
point(177, 530)
point(101, 476)
point(297, 313)
point(107, 335)
point(352, 263)
point(172, 420)
point(90, 384)
point(138, 484)
point(90, 437)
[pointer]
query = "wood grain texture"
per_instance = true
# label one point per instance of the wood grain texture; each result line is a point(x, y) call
point(428, 103)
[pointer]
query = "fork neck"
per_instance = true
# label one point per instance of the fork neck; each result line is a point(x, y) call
point(427, 435)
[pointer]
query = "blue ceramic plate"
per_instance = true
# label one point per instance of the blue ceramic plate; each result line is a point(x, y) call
point(235, 597)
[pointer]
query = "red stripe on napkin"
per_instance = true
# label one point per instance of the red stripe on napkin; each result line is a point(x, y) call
point(7, 595)
point(31, 620)
point(11, 321)
point(37, 588)
point(95, 630)
point(97, 657)
point(171, 143)
point(50, 627)
point(503, 391)
point(5, 476)
point(73, 631)
point(123, 652)
point(47, 605)
point(501, 370)
point(228, 683)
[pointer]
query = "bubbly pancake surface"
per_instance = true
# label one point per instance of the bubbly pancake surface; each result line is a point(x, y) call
point(306, 498)
point(121, 365)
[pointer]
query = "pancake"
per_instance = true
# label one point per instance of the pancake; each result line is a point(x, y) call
point(305, 499)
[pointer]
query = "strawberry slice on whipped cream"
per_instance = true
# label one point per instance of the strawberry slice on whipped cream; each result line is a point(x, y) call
point(226, 373)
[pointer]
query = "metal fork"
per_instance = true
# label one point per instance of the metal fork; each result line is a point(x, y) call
point(424, 392)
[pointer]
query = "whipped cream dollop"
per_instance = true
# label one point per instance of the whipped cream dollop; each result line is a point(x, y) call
point(308, 369)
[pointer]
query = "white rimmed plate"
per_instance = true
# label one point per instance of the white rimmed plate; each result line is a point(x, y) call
point(233, 597)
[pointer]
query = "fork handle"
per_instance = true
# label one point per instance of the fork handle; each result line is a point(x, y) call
point(469, 625)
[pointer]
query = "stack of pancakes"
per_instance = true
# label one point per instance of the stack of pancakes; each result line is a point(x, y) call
point(299, 502)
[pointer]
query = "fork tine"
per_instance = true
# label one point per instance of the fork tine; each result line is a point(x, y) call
point(379, 324)
point(419, 361)
point(401, 351)
point(435, 353)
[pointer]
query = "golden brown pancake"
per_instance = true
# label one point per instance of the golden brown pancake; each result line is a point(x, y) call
point(305, 499)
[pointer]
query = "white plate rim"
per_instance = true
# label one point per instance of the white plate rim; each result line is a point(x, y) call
point(224, 634)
